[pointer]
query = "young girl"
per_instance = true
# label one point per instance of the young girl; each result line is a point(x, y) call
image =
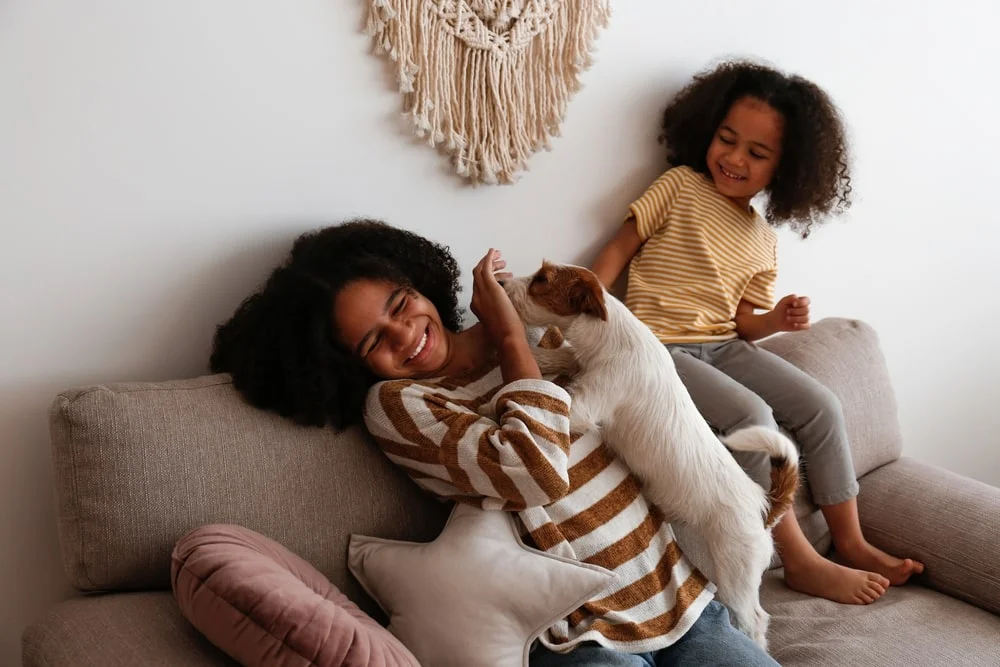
point(704, 262)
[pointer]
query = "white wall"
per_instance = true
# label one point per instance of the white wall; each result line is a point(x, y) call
point(157, 158)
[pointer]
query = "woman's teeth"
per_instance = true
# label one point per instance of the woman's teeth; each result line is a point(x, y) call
point(420, 347)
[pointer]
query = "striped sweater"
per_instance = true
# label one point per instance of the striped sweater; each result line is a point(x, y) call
point(510, 448)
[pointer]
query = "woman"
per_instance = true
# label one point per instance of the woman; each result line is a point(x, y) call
point(362, 320)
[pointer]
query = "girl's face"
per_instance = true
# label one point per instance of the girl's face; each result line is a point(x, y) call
point(745, 150)
point(393, 329)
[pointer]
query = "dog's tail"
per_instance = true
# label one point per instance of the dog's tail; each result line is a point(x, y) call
point(784, 465)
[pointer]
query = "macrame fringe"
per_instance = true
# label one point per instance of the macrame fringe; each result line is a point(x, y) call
point(487, 82)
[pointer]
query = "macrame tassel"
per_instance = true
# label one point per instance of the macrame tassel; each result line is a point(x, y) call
point(487, 81)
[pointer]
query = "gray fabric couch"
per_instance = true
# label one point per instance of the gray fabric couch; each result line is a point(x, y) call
point(138, 465)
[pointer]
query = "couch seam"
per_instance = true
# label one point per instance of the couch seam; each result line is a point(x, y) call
point(76, 497)
point(139, 390)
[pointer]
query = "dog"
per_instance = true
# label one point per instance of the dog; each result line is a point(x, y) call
point(628, 387)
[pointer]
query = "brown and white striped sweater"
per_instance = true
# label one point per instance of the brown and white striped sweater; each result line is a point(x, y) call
point(509, 447)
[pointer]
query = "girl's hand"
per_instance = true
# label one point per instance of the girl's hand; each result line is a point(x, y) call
point(791, 314)
point(490, 302)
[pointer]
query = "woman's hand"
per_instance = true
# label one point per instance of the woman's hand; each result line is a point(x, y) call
point(490, 302)
point(492, 306)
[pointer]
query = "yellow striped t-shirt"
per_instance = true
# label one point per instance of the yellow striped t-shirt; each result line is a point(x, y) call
point(701, 254)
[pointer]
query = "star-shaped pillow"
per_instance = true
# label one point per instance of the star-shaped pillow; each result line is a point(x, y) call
point(475, 596)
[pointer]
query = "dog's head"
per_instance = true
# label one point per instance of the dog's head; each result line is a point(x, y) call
point(557, 295)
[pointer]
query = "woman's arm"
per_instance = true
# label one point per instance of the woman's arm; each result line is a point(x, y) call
point(518, 461)
point(492, 306)
point(616, 255)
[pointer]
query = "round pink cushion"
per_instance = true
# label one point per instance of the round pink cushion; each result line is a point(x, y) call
point(265, 606)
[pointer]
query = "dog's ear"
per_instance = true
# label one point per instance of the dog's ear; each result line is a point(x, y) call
point(587, 296)
point(544, 274)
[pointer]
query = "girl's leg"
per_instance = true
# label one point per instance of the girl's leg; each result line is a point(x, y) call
point(808, 572)
point(814, 416)
point(845, 529)
point(729, 406)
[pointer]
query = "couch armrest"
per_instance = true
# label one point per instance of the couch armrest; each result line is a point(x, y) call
point(949, 522)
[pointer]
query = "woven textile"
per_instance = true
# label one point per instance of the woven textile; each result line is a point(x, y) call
point(487, 81)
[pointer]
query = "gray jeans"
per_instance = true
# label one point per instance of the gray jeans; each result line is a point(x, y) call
point(736, 384)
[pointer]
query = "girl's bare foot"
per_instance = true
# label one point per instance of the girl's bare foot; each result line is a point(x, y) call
point(826, 579)
point(863, 555)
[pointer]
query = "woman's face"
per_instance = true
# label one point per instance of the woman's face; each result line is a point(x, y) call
point(394, 330)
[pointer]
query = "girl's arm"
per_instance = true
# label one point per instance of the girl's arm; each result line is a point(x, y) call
point(646, 215)
point(749, 325)
point(791, 314)
point(616, 255)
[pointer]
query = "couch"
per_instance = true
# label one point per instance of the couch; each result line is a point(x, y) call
point(137, 465)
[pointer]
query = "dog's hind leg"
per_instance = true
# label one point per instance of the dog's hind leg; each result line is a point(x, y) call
point(740, 558)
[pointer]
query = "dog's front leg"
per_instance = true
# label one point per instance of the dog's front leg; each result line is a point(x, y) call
point(558, 361)
point(585, 409)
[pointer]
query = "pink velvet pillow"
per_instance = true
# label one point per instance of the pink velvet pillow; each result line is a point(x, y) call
point(265, 606)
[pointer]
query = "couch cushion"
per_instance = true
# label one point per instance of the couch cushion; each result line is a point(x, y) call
point(119, 630)
point(263, 605)
point(139, 465)
point(845, 356)
point(477, 596)
point(910, 625)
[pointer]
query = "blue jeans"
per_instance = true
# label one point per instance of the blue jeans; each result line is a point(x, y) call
point(711, 642)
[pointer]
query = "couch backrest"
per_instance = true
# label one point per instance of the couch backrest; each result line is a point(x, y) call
point(138, 465)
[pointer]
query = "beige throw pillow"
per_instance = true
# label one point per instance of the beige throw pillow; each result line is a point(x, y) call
point(476, 596)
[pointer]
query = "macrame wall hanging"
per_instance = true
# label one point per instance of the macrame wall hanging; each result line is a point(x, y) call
point(487, 81)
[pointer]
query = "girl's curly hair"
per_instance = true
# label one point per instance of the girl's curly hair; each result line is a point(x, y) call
point(812, 178)
point(280, 346)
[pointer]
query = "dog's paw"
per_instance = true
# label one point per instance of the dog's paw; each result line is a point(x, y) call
point(558, 361)
point(759, 632)
point(753, 624)
point(581, 423)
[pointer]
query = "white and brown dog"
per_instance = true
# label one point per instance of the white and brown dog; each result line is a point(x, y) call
point(627, 386)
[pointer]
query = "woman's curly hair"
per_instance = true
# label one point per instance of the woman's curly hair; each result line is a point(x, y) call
point(280, 346)
point(812, 178)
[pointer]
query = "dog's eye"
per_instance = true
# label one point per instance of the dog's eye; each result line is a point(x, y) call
point(540, 279)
